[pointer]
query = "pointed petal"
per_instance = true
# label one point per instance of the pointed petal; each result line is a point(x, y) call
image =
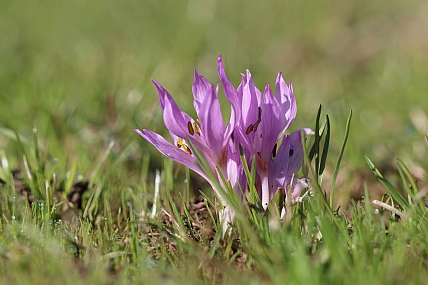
point(163, 94)
point(285, 97)
point(229, 90)
point(171, 151)
point(250, 103)
point(230, 93)
point(212, 125)
point(270, 123)
point(176, 120)
point(201, 88)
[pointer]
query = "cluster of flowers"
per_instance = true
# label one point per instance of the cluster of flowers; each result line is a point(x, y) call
point(257, 125)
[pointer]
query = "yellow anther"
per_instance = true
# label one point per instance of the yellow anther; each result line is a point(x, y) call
point(180, 142)
point(183, 146)
point(186, 149)
point(190, 128)
point(197, 129)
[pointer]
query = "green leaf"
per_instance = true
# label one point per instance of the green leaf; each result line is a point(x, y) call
point(339, 159)
point(315, 147)
point(402, 168)
point(325, 149)
point(391, 190)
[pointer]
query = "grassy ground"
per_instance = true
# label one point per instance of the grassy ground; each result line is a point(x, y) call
point(80, 75)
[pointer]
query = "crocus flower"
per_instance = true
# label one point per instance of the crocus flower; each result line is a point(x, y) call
point(283, 165)
point(208, 134)
point(262, 123)
point(257, 123)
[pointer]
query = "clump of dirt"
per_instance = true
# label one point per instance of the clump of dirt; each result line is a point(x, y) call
point(76, 192)
point(74, 197)
point(21, 187)
point(198, 223)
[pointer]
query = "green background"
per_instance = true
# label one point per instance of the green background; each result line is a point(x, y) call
point(80, 72)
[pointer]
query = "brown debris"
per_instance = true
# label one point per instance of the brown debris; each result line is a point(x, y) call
point(76, 193)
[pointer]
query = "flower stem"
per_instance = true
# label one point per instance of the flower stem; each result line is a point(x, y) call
point(265, 191)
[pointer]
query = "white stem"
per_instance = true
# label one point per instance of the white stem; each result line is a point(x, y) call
point(265, 191)
point(156, 198)
point(226, 217)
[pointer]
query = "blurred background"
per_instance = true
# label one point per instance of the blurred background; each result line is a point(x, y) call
point(81, 72)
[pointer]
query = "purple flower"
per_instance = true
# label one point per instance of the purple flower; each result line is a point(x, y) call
point(284, 164)
point(263, 120)
point(208, 134)
point(258, 123)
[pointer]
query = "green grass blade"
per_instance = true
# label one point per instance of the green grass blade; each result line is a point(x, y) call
point(94, 198)
point(70, 178)
point(315, 147)
point(39, 160)
point(339, 159)
point(100, 162)
point(414, 187)
point(251, 178)
point(313, 178)
point(325, 149)
point(391, 190)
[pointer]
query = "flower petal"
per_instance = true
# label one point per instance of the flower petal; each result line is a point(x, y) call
point(201, 88)
point(235, 173)
point(298, 186)
point(270, 124)
point(250, 103)
point(171, 151)
point(286, 162)
point(176, 120)
point(230, 93)
point(163, 94)
point(285, 97)
point(212, 126)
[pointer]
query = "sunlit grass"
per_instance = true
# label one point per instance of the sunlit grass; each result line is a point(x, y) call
point(123, 241)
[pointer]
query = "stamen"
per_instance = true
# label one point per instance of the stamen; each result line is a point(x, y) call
point(190, 128)
point(290, 153)
point(179, 142)
point(197, 129)
point(256, 125)
point(186, 149)
point(274, 150)
point(253, 127)
point(249, 129)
